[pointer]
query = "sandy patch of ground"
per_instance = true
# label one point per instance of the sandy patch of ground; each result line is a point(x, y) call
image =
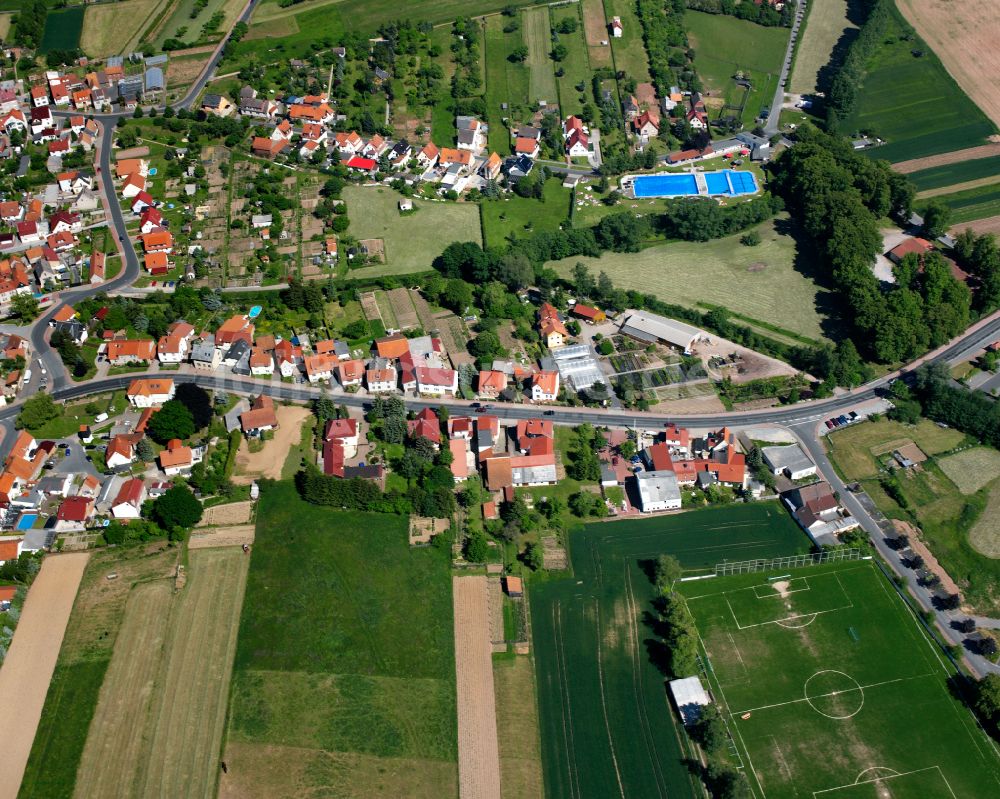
point(943, 159)
point(235, 536)
point(752, 366)
point(134, 152)
point(478, 748)
point(268, 462)
point(708, 403)
point(233, 513)
point(25, 675)
point(964, 36)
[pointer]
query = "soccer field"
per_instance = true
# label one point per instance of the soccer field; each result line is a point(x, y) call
point(607, 729)
point(833, 691)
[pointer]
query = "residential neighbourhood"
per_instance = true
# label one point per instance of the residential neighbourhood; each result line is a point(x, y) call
point(389, 392)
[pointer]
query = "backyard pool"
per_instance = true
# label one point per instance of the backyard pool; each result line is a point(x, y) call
point(254, 312)
point(727, 182)
point(27, 521)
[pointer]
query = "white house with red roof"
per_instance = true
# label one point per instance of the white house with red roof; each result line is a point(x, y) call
point(128, 503)
point(436, 382)
point(544, 386)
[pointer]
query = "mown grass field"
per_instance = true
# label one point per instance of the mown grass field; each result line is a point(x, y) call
point(62, 29)
point(724, 45)
point(170, 668)
point(972, 203)
point(109, 28)
point(772, 282)
point(972, 469)
point(913, 103)
point(345, 661)
point(5, 20)
point(517, 728)
point(838, 664)
point(520, 217)
point(576, 65)
point(984, 537)
point(826, 24)
point(853, 450)
point(538, 39)
point(607, 727)
point(952, 174)
point(411, 242)
point(84, 658)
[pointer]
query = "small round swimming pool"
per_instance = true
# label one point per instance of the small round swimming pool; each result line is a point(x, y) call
point(152, 171)
point(254, 312)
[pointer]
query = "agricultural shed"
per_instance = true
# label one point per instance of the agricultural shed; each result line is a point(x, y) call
point(653, 328)
point(689, 697)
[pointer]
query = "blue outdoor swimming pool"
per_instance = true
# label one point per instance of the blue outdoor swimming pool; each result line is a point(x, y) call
point(254, 312)
point(727, 182)
point(27, 521)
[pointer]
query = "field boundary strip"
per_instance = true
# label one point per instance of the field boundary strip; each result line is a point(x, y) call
point(859, 781)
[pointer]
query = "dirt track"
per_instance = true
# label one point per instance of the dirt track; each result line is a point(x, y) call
point(478, 748)
point(968, 154)
point(269, 461)
point(25, 675)
point(964, 36)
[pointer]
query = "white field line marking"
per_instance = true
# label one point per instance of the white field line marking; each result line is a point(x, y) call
point(736, 649)
point(886, 779)
point(810, 616)
point(772, 594)
point(756, 585)
point(832, 693)
point(647, 733)
point(787, 618)
point(604, 705)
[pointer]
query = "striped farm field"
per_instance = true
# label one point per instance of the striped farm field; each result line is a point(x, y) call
point(913, 103)
point(952, 174)
point(607, 727)
point(974, 203)
point(972, 469)
point(112, 28)
point(170, 668)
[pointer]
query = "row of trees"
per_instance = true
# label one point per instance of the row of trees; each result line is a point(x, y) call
point(29, 24)
point(968, 411)
point(678, 658)
point(846, 82)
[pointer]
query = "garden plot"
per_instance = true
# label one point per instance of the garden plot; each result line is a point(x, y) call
point(402, 308)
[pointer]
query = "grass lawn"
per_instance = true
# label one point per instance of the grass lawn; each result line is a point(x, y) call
point(411, 242)
point(538, 40)
point(913, 103)
point(773, 282)
point(606, 728)
point(355, 661)
point(853, 450)
point(5, 20)
point(181, 18)
point(970, 204)
point(951, 174)
point(498, 88)
point(725, 44)
point(826, 24)
point(67, 424)
point(827, 666)
point(83, 661)
point(520, 216)
point(576, 65)
point(629, 51)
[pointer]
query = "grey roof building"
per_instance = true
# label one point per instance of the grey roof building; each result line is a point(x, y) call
point(653, 328)
point(790, 460)
point(658, 491)
point(154, 79)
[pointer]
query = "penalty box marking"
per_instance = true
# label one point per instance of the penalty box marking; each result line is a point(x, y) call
point(896, 776)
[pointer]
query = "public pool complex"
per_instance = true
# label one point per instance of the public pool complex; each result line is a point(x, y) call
point(724, 183)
